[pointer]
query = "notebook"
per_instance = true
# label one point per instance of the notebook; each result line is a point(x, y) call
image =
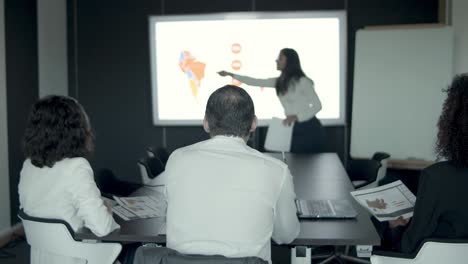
point(325, 209)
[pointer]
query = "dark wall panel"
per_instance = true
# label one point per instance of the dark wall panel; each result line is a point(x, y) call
point(293, 5)
point(22, 82)
point(114, 80)
point(205, 6)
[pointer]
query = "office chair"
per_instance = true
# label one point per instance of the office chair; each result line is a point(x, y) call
point(160, 152)
point(163, 255)
point(431, 251)
point(109, 185)
point(366, 173)
point(56, 237)
point(152, 166)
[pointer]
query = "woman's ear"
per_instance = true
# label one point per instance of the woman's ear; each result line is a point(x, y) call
point(206, 125)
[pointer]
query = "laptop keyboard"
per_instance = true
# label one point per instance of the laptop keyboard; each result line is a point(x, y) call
point(319, 208)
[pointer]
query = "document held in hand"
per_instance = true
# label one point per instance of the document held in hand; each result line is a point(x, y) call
point(387, 202)
point(279, 136)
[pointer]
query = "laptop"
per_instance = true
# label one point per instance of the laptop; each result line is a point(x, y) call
point(325, 209)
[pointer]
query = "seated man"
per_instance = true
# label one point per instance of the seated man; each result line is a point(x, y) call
point(225, 198)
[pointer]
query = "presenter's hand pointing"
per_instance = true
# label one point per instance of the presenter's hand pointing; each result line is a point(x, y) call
point(224, 73)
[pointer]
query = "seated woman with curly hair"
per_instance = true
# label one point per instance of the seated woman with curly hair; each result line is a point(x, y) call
point(56, 180)
point(441, 209)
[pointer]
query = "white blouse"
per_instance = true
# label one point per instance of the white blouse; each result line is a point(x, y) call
point(300, 99)
point(66, 191)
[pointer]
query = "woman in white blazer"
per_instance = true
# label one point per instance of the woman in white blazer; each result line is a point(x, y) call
point(298, 97)
point(56, 180)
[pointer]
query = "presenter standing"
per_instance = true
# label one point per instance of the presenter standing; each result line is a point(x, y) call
point(300, 102)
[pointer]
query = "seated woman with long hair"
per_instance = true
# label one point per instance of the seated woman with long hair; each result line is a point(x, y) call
point(56, 180)
point(441, 209)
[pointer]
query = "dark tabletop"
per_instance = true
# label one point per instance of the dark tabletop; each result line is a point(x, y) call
point(316, 177)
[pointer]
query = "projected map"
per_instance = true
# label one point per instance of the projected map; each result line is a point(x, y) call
point(194, 70)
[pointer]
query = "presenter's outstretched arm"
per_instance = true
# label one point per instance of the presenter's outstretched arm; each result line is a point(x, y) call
point(269, 82)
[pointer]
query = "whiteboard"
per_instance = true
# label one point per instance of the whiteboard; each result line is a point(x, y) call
point(399, 77)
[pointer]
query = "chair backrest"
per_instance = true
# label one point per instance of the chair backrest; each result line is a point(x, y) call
point(383, 158)
point(162, 255)
point(55, 236)
point(431, 251)
point(153, 165)
point(159, 152)
point(366, 173)
point(150, 168)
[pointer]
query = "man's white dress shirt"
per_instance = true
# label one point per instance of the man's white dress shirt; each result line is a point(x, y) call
point(229, 199)
point(300, 99)
point(66, 191)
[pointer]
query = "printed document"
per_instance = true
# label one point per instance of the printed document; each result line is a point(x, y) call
point(387, 202)
point(279, 136)
point(140, 207)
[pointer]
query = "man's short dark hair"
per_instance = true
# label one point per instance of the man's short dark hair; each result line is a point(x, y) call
point(57, 128)
point(230, 111)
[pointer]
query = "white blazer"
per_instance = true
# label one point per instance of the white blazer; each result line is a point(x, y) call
point(66, 191)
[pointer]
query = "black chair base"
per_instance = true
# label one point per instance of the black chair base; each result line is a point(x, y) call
point(338, 257)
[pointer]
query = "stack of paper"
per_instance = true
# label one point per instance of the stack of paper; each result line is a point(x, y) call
point(139, 207)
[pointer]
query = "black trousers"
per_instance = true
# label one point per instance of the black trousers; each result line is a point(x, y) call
point(309, 137)
point(390, 237)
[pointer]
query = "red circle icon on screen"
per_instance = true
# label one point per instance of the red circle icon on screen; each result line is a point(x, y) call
point(236, 48)
point(236, 65)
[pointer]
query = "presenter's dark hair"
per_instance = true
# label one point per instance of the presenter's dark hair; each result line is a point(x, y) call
point(452, 138)
point(291, 73)
point(230, 111)
point(57, 128)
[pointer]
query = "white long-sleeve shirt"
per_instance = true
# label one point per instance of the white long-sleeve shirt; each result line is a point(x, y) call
point(300, 99)
point(66, 191)
point(229, 199)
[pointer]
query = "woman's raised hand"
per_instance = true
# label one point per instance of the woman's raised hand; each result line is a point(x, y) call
point(224, 73)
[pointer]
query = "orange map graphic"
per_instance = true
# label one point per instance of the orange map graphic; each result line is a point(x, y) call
point(195, 70)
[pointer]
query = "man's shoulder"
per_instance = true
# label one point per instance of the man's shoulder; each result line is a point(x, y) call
point(252, 154)
point(189, 148)
point(269, 159)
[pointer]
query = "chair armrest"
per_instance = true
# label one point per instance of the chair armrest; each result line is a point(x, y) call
point(363, 170)
point(388, 257)
point(377, 259)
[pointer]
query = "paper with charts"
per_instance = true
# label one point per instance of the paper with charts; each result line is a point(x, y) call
point(140, 207)
point(387, 202)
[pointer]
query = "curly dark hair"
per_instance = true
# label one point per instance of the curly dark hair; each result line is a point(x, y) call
point(452, 138)
point(57, 128)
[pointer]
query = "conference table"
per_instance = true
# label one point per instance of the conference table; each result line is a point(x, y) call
point(316, 177)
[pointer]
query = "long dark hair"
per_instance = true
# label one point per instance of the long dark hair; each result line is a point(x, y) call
point(57, 128)
point(452, 138)
point(292, 72)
